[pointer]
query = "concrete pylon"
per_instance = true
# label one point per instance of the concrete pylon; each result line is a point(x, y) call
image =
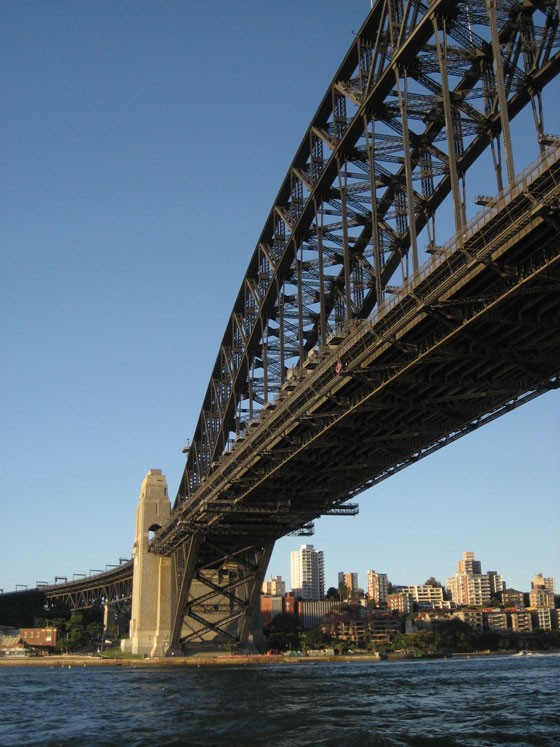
point(152, 595)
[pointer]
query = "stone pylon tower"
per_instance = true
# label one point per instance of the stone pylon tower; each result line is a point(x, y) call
point(152, 596)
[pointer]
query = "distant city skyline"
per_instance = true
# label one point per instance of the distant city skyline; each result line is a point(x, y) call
point(468, 563)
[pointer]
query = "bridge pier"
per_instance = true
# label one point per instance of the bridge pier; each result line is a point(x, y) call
point(152, 589)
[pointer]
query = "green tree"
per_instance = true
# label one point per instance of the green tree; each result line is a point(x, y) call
point(343, 591)
point(454, 635)
point(315, 639)
point(284, 632)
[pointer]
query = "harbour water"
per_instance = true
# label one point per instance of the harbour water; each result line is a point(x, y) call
point(476, 702)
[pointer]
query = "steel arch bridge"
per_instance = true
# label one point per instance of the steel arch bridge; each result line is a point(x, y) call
point(377, 321)
point(363, 336)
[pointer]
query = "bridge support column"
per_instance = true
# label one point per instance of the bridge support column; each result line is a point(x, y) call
point(152, 594)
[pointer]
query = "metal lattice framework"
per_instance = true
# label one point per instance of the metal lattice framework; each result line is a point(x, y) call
point(359, 342)
point(424, 90)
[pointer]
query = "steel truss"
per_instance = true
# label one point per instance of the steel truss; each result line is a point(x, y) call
point(422, 93)
point(359, 342)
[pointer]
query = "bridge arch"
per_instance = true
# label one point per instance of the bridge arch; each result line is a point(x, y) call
point(422, 94)
point(361, 339)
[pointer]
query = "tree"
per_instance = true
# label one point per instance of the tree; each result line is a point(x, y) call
point(433, 582)
point(315, 639)
point(343, 591)
point(284, 632)
point(332, 593)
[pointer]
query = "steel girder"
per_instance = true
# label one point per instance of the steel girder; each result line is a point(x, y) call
point(422, 93)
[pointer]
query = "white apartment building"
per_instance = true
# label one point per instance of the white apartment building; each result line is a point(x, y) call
point(542, 619)
point(378, 587)
point(308, 573)
point(521, 622)
point(469, 586)
point(424, 595)
point(470, 590)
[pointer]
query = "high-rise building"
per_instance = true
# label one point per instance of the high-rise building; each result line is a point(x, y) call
point(351, 582)
point(468, 564)
point(539, 582)
point(470, 586)
point(497, 584)
point(378, 587)
point(308, 573)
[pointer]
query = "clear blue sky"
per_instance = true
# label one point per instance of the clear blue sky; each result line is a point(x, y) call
point(143, 145)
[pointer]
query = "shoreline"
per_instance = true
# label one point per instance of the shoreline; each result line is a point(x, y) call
point(199, 660)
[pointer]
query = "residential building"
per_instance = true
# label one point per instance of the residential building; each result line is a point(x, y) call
point(400, 601)
point(521, 621)
point(470, 586)
point(513, 598)
point(308, 574)
point(378, 587)
point(542, 592)
point(542, 619)
point(541, 597)
point(274, 587)
point(497, 621)
point(474, 618)
point(469, 565)
point(359, 627)
point(497, 584)
point(423, 595)
point(539, 582)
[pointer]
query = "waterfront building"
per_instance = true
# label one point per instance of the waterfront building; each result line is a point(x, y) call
point(41, 638)
point(497, 621)
point(474, 618)
point(308, 573)
point(359, 626)
point(542, 619)
point(521, 621)
point(378, 587)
